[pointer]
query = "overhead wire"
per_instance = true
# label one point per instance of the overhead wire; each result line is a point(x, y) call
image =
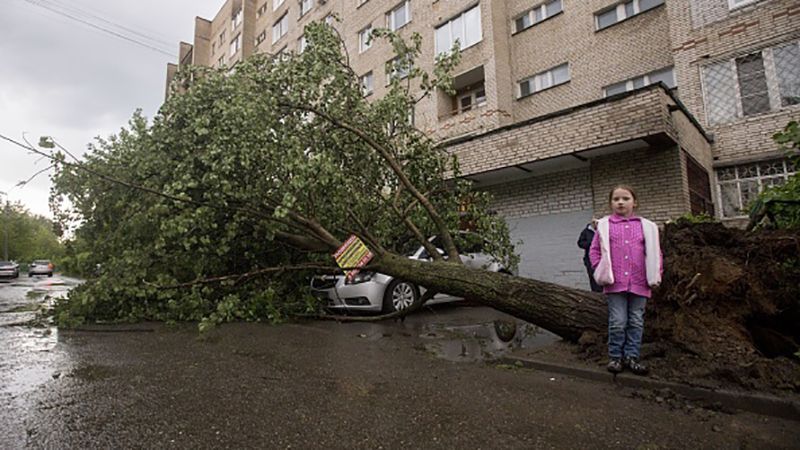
point(48, 6)
point(88, 13)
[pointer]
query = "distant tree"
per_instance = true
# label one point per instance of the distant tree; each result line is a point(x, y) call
point(30, 236)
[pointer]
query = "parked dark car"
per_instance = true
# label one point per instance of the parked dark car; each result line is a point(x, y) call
point(41, 267)
point(9, 269)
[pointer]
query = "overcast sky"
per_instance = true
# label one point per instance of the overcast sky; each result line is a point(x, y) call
point(63, 78)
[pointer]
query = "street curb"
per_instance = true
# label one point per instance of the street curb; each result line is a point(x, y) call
point(757, 403)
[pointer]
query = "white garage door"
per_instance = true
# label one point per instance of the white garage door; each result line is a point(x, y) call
point(549, 251)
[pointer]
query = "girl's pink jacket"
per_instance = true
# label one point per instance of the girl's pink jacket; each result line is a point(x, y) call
point(626, 238)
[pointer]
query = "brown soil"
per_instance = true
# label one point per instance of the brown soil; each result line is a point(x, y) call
point(728, 311)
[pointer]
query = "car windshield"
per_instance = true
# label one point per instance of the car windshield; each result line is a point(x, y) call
point(41, 262)
point(6, 263)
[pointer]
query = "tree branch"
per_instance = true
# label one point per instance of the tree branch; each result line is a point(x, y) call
point(444, 233)
point(243, 276)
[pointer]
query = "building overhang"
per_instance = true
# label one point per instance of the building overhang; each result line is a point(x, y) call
point(570, 139)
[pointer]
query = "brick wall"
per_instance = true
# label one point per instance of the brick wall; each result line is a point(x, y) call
point(635, 116)
point(597, 58)
point(558, 192)
point(655, 174)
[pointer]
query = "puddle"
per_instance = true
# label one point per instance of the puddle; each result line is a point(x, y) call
point(483, 341)
point(29, 354)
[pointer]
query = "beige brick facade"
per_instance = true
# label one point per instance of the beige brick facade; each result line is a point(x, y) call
point(561, 135)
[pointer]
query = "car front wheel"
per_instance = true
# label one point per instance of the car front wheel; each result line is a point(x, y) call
point(399, 295)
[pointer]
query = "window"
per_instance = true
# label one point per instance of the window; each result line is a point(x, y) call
point(364, 39)
point(623, 11)
point(261, 37)
point(305, 6)
point(222, 39)
point(221, 62)
point(261, 10)
point(732, 4)
point(276, 4)
point(536, 15)
point(302, 44)
point(739, 185)
point(753, 84)
point(367, 83)
point(399, 16)
point(666, 76)
point(329, 19)
point(236, 20)
point(465, 28)
point(361, 2)
point(397, 69)
point(544, 80)
point(236, 44)
point(787, 69)
point(469, 98)
point(280, 28)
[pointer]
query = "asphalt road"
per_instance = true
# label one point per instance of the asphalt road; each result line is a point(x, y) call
point(422, 383)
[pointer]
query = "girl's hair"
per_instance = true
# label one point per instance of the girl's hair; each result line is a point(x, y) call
point(625, 187)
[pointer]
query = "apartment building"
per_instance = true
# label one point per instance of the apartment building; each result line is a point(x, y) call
point(559, 100)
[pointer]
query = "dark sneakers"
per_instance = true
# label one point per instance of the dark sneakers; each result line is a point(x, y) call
point(614, 365)
point(634, 366)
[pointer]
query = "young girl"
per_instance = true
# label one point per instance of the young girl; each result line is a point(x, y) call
point(626, 258)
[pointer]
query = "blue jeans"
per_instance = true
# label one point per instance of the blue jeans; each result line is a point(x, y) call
point(625, 324)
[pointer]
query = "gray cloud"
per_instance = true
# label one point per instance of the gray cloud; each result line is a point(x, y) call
point(59, 77)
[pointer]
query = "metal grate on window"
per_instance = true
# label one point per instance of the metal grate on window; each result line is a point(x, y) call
point(752, 84)
point(740, 185)
point(719, 81)
point(787, 69)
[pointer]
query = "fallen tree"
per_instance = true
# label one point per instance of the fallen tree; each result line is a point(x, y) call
point(247, 174)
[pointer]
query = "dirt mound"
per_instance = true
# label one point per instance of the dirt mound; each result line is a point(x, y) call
point(728, 310)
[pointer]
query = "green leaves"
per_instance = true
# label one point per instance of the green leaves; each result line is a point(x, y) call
point(277, 147)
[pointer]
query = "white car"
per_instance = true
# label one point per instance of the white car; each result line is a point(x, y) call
point(9, 269)
point(40, 267)
point(377, 292)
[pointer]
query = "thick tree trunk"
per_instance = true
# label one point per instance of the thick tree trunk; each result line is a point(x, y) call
point(564, 311)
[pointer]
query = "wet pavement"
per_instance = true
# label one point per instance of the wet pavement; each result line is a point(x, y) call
point(425, 382)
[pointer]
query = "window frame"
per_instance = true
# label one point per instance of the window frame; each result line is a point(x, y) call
point(620, 11)
point(449, 23)
point(261, 37)
point(774, 96)
point(392, 74)
point(364, 42)
point(371, 77)
point(311, 5)
point(277, 4)
point(738, 180)
point(236, 44)
point(475, 101)
point(646, 80)
point(236, 19)
point(733, 4)
point(390, 16)
point(283, 27)
point(531, 15)
point(536, 84)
